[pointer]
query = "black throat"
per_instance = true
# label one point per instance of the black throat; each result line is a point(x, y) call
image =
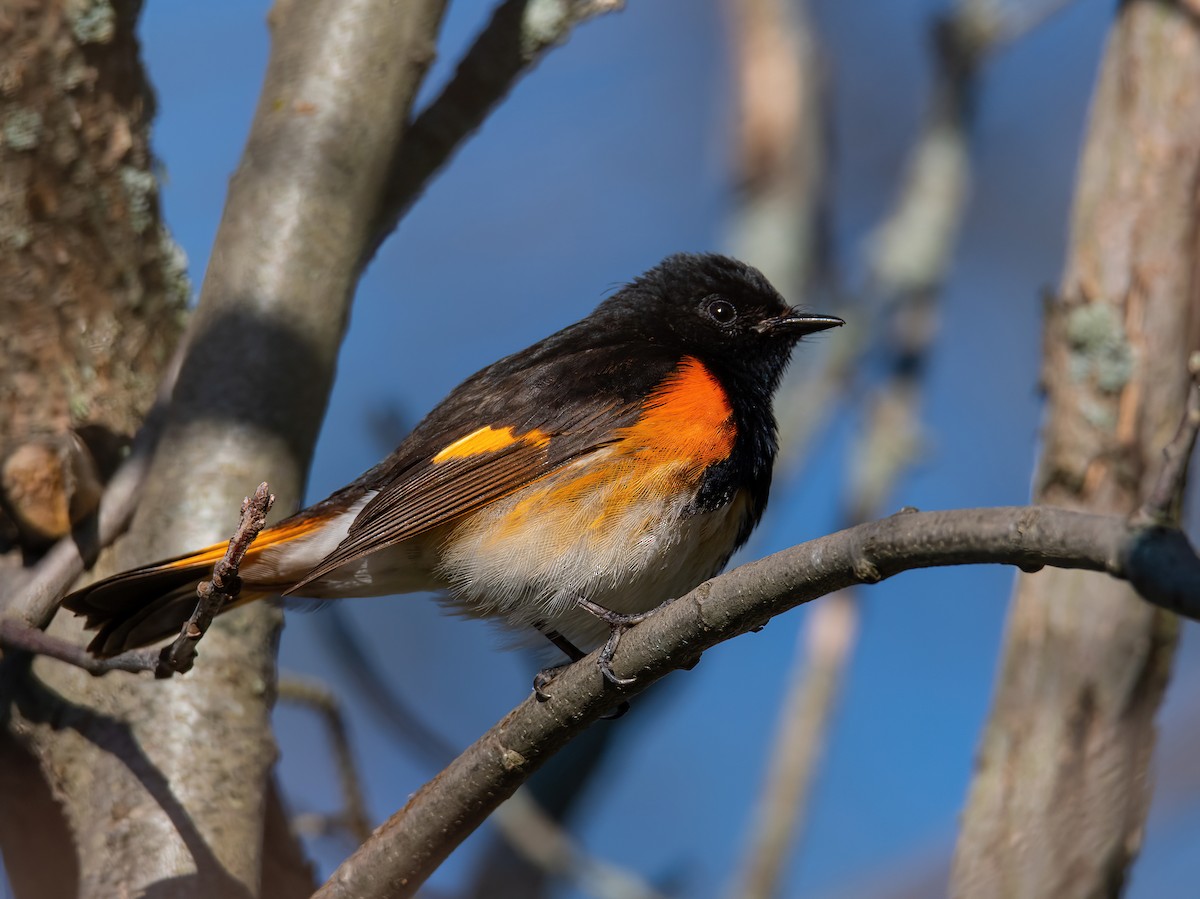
point(750, 464)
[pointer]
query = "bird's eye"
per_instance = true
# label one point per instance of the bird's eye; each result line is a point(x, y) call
point(721, 311)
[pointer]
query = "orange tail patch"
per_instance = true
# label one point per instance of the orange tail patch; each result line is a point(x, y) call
point(144, 605)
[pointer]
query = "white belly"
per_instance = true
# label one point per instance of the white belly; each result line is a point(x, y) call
point(608, 528)
point(626, 543)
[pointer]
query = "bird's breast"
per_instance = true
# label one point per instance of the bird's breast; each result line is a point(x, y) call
point(687, 419)
point(617, 527)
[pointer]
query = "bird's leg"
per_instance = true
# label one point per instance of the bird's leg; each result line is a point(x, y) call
point(569, 649)
point(542, 679)
point(618, 624)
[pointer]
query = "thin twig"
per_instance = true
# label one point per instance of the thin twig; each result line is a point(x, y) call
point(402, 852)
point(16, 635)
point(179, 656)
point(514, 41)
point(320, 699)
point(221, 588)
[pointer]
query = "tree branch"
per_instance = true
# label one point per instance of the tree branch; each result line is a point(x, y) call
point(1085, 666)
point(513, 42)
point(19, 637)
point(405, 850)
point(261, 351)
point(352, 817)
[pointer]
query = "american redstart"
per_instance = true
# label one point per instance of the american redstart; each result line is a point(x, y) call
point(569, 487)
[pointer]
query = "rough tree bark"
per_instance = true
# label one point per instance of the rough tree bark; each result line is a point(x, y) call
point(92, 289)
point(1060, 796)
point(151, 809)
point(92, 293)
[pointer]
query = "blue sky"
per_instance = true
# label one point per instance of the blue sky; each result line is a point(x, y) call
point(613, 153)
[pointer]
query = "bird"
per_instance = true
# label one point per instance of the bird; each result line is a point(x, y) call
point(568, 489)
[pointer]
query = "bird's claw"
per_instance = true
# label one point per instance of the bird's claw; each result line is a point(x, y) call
point(618, 624)
point(544, 678)
point(604, 662)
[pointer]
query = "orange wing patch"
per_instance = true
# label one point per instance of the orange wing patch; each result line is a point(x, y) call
point(489, 439)
point(687, 419)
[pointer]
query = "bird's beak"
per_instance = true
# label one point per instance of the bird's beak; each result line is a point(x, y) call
point(795, 323)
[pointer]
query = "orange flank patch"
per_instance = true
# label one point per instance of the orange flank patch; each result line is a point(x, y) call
point(686, 425)
point(487, 440)
point(688, 419)
point(272, 536)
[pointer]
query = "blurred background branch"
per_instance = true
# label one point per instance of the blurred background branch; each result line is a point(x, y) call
point(540, 850)
point(894, 320)
point(1059, 800)
point(518, 34)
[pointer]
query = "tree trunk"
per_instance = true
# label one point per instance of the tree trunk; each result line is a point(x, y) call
point(92, 294)
point(1059, 799)
point(164, 786)
point(92, 289)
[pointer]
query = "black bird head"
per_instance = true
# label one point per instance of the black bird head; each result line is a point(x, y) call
point(721, 310)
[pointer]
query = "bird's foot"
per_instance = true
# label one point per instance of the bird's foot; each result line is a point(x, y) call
point(544, 678)
point(618, 624)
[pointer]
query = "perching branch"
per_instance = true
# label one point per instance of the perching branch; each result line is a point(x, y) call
point(521, 821)
point(1158, 561)
point(513, 42)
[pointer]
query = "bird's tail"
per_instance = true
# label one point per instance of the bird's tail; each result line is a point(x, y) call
point(147, 604)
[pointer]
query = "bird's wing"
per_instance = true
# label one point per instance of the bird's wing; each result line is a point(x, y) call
point(425, 486)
